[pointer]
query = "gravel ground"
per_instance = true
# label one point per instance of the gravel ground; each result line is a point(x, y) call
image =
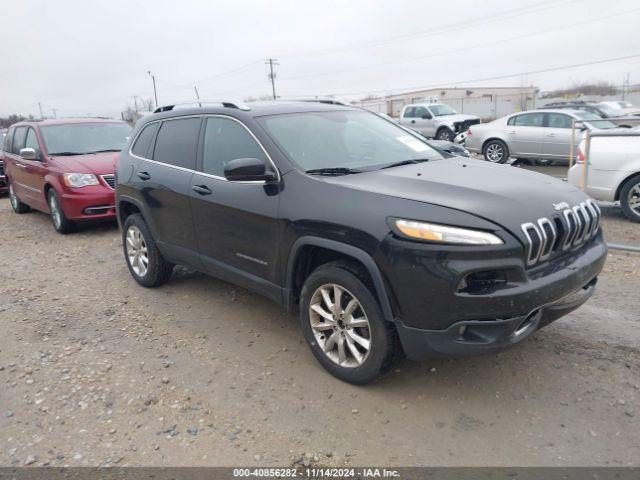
point(95, 370)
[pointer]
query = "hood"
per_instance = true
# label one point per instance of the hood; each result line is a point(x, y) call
point(98, 163)
point(502, 194)
point(458, 117)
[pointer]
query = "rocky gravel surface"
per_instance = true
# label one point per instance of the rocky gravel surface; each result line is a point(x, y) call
point(97, 371)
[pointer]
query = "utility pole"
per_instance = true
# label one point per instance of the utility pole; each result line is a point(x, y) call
point(135, 103)
point(155, 92)
point(625, 85)
point(272, 76)
point(197, 95)
point(54, 110)
point(41, 115)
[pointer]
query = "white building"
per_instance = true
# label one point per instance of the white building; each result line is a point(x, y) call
point(486, 102)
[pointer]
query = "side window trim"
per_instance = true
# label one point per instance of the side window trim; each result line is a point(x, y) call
point(200, 154)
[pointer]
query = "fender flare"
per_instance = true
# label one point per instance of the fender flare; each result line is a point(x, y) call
point(349, 250)
point(127, 199)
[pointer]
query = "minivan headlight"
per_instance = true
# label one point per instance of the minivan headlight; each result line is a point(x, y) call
point(77, 180)
point(433, 232)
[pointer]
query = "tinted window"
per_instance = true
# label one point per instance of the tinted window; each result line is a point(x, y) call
point(226, 140)
point(529, 120)
point(558, 120)
point(410, 112)
point(18, 139)
point(32, 140)
point(141, 147)
point(7, 140)
point(177, 142)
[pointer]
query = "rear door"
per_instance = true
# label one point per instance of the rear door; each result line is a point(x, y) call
point(525, 134)
point(165, 185)
point(236, 222)
point(557, 136)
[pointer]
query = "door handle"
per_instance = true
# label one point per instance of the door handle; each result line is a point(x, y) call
point(511, 132)
point(551, 134)
point(19, 165)
point(144, 176)
point(202, 189)
point(413, 121)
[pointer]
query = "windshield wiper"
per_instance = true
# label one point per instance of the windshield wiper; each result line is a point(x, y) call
point(406, 162)
point(102, 151)
point(65, 154)
point(332, 171)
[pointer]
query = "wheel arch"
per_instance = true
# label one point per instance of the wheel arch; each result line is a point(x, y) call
point(127, 206)
point(301, 262)
point(623, 183)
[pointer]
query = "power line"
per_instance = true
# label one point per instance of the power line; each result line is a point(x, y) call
point(499, 77)
point(506, 15)
point(466, 48)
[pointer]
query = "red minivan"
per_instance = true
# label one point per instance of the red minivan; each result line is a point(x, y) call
point(64, 167)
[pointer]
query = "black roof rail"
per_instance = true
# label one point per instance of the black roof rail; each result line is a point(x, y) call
point(224, 103)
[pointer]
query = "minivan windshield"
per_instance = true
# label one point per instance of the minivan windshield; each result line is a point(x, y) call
point(347, 139)
point(85, 138)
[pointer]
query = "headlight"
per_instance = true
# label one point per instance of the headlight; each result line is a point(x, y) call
point(443, 234)
point(77, 180)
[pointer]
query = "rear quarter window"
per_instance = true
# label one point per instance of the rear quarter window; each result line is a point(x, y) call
point(177, 142)
point(143, 142)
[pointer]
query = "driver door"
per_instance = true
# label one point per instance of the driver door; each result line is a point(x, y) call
point(425, 122)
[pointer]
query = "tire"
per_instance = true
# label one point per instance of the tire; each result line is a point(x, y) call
point(61, 223)
point(445, 134)
point(145, 263)
point(496, 151)
point(543, 162)
point(16, 204)
point(349, 331)
point(630, 199)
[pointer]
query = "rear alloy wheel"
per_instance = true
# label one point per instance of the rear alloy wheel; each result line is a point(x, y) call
point(496, 152)
point(445, 134)
point(16, 204)
point(146, 264)
point(344, 326)
point(630, 199)
point(60, 222)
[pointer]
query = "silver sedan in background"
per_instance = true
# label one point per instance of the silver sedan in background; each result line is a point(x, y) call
point(535, 134)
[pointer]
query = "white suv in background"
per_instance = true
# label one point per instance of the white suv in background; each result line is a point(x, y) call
point(614, 169)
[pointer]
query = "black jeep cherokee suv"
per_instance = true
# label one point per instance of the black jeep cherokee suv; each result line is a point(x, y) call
point(383, 245)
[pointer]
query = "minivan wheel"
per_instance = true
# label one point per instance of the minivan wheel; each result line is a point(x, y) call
point(630, 199)
point(344, 326)
point(60, 222)
point(496, 151)
point(445, 134)
point(146, 264)
point(16, 204)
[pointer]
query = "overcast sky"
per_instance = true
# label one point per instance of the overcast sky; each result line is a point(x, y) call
point(90, 57)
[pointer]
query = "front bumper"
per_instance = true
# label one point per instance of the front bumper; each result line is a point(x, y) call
point(97, 204)
point(480, 337)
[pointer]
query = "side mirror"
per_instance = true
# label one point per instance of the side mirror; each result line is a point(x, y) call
point(248, 170)
point(28, 154)
point(426, 116)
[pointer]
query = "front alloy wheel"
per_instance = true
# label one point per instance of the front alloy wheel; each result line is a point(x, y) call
point(60, 222)
point(340, 325)
point(137, 252)
point(630, 199)
point(445, 134)
point(496, 152)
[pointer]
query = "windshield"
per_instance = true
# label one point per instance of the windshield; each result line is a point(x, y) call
point(608, 111)
point(81, 138)
point(344, 139)
point(441, 110)
point(595, 120)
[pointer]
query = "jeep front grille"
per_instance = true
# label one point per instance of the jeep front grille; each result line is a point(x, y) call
point(570, 228)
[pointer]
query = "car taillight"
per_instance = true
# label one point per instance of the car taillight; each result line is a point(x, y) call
point(579, 155)
point(469, 133)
